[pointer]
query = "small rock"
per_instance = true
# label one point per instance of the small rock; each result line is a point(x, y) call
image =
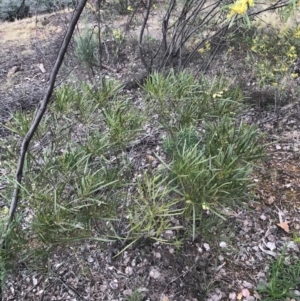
point(263, 217)
point(216, 297)
point(270, 200)
point(127, 292)
point(232, 296)
point(154, 274)
point(245, 292)
point(271, 238)
point(129, 270)
point(206, 246)
point(114, 284)
point(221, 258)
point(175, 221)
point(261, 275)
point(157, 255)
point(126, 260)
point(171, 250)
point(271, 245)
point(247, 284)
point(223, 244)
point(168, 234)
point(292, 245)
point(103, 287)
point(296, 292)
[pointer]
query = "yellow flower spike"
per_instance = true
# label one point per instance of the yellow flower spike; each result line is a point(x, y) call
point(297, 33)
point(205, 207)
point(239, 7)
point(207, 45)
point(129, 8)
point(5, 210)
point(294, 75)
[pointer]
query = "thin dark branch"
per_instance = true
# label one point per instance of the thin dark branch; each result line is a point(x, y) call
point(165, 23)
point(148, 68)
point(37, 118)
point(275, 6)
point(41, 110)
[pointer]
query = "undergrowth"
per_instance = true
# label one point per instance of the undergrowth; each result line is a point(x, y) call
point(78, 169)
point(84, 178)
point(282, 279)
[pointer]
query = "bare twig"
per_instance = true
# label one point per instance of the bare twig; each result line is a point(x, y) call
point(41, 110)
point(148, 68)
point(194, 16)
point(165, 23)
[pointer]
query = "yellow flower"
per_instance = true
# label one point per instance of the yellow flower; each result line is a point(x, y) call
point(219, 94)
point(5, 210)
point(292, 52)
point(129, 8)
point(253, 48)
point(207, 46)
point(204, 206)
point(154, 6)
point(239, 7)
point(297, 33)
point(294, 75)
point(117, 34)
point(230, 49)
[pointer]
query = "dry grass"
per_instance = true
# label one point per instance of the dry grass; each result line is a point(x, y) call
point(272, 20)
point(22, 31)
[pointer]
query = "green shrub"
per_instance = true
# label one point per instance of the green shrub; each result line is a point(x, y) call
point(181, 100)
point(86, 46)
point(282, 277)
